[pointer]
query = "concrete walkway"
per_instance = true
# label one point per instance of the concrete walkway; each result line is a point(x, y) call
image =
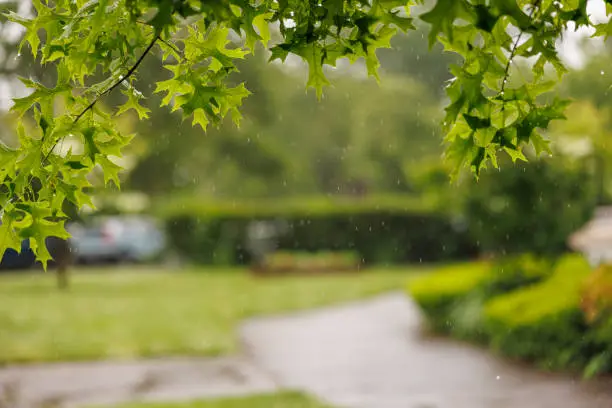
point(371, 355)
point(83, 384)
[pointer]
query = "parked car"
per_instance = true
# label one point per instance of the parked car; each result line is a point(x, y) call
point(12, 260)
point(116, 239)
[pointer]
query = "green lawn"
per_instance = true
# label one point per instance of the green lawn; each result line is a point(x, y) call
point(280, 400)
point(122, 314)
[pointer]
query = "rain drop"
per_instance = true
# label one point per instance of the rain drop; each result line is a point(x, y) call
point(602, 72)
point(498, 377)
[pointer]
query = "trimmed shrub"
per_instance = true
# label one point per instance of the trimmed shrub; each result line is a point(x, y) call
point(380, 230)
point(453, 297)
point(543, 323)
point(439, 294)
point(561, 320)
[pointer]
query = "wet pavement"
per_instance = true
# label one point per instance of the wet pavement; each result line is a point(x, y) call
point(372, 355)
point(170, 379)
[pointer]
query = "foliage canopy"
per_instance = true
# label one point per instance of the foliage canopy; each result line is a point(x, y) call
point(96, 47)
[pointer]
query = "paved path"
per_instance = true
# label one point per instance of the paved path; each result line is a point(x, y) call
point(371, 355)
point(81, 384)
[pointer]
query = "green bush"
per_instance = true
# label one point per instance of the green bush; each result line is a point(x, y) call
point(530, 207)
point(522, 310)
point(386, 229)
point(596, 304)
point(513, 272)
point(543, 323)
point(453, 297)
point(439, 293)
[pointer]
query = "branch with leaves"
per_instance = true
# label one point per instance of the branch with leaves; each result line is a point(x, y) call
point(86, 40)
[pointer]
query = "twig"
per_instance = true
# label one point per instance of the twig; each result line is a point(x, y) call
point(171, 46)
point(123, 78)
point(513, 52)
point(110, 89)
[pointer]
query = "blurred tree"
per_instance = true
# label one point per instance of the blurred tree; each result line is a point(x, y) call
point(530, 207)
point(410, 55)
point(588, 125)
point(358, 136)
point(587, 134)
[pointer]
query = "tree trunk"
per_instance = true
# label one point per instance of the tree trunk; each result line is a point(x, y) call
point(62, 256)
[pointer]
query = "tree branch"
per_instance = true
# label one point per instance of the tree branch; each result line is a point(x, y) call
point(110, 89)
point(123, 78)
point(513, 51)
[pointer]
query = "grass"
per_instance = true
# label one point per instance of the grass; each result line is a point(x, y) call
point(137, 313)
point(280, 400)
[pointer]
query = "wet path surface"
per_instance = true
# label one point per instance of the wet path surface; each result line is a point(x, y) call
point(92, 383)
point(371, 354)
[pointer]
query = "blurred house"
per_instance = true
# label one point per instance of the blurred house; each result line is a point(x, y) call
point(594, 239)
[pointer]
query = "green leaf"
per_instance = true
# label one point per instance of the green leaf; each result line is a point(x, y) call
point(515, 154)
point(37, 226)
point(443, 15)
point(76, 165)
point(476, 123)
point(91, 148)
point(163, 18)
point(40, 94)
point(313, 55)
point(540, 144)
point(133, 102)
point(8, 237)
point(261, 22)
point(111, 170)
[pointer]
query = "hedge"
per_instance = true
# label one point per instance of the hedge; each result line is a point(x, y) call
point(381, 229)
point(543, 323)
point(538, 319)
point(453, 296)
point(440, 293)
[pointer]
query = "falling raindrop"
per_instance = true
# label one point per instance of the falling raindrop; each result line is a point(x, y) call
point(602, 72)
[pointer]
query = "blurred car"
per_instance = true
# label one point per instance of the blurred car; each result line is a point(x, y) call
point(12, 260)
point(116, 239)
